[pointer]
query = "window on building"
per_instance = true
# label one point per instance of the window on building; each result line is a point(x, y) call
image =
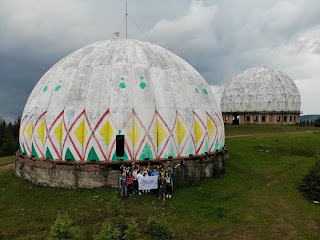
point(255, 118)
point(120, 145)
point(294, 118)
point(278, 118)
point(290, 118)
point(248, 118)
point(263, 118)
point(284, 118)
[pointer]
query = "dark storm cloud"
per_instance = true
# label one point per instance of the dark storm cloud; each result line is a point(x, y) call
point(20, 70)
point(219, 38)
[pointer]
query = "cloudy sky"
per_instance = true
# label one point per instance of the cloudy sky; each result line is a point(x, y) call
point(219, 38)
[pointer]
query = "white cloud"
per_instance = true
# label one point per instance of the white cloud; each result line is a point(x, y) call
point(194, 30)
point(219, 38)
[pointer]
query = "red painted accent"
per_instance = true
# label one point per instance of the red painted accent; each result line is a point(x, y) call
point(54, 122)
point(68, 135)
point(75, 148)
point(54, 147)
point(34, 126)
point(31, 136)
point(95, 128)
point(112, 146)
point(205, 131)
point(128, 148)
point(222, 132)
point(144, 137)
point(215, 136)
point(188, 135)
point(105, 157)
point(38, 148)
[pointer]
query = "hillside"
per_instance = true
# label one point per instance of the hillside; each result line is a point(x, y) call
point(309, 117)
point(257, 198)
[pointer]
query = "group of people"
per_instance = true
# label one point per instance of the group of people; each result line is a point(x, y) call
point(158, 179)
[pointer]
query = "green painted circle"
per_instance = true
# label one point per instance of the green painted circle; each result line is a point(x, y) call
point(205, 91)
point(122, 85)
point(143, 85)
point(45, 88)
point(122, 78)
point(197, 90)
point(57, 88)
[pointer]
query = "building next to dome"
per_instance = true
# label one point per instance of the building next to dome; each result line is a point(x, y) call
point(261, 95)
point(120, 100)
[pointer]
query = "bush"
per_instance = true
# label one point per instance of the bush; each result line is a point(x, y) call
point(62, 229)
point(115, 207)
point(108, 232)
point(158, 230)
point(310, 184)
point(132, 232)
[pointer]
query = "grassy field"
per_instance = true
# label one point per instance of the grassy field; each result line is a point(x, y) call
point(257, 198)
point(232, 130)
point(6, 160)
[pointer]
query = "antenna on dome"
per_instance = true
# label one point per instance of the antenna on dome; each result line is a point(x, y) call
point(126, 19)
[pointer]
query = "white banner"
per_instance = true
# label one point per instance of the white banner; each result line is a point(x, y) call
point(148, 182)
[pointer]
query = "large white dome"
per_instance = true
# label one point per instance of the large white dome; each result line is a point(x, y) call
point(261, 89)
point(121, 88)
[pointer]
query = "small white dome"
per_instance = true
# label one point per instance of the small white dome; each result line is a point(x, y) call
point(156, 101)
point(261, 89)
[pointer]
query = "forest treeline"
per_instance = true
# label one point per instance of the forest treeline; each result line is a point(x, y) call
point(9, 137)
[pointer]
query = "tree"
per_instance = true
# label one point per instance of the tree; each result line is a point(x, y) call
point(310, 184)
point(62, 229)
point(9, 137)
point(158, 230)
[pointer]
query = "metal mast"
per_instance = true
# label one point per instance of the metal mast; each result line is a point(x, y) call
point(126, 19)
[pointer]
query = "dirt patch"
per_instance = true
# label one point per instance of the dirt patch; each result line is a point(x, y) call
point(6, 167)
point(314, 225)
point(273, 183)
point(284, 229)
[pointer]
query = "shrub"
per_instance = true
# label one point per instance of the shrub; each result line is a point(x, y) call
point(115, 207)
point(132, 232)
point(62, 229)
point(108, 232)
point(158, 230)
point(310, 184)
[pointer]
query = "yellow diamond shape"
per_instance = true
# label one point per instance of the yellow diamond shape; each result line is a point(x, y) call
point(198, 131)
point(40, 130)
point(161, 133)
point(29, 131)
point(58, 133)
point(81, 132)
point(181, 132)
point(134, 133)
point(21, 131)
point(211, 129)
point(106, 132)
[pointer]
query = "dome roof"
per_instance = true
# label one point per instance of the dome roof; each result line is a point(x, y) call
point(261, 89)
point(121, 94)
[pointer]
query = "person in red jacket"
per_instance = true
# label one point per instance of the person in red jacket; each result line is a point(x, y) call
point(130, 183)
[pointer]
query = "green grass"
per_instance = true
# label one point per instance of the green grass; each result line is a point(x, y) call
point(6, 160)
point(232, 130)
point(257, 198)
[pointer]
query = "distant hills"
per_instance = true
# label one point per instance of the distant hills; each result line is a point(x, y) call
point(309, 117)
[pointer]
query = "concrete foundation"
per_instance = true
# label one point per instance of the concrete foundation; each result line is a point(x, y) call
point(93, 175)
